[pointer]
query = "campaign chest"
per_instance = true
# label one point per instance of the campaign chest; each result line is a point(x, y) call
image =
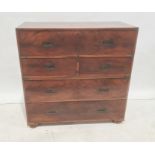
point(76, 72)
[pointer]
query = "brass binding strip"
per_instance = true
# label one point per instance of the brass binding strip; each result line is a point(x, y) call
point(77, 65)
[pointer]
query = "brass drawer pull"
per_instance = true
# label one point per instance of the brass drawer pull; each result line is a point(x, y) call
point(49, 66)
point(50, 90)
point(47, 45)
point(51, 112)
point(102, 110)
point(103, 89)
point(108, 43)
point(105, 66)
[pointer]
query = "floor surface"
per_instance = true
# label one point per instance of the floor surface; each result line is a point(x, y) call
point(139, 125)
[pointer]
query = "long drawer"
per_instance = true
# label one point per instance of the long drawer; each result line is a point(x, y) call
point(70, 112)
point(72, 90)
point(67, 42)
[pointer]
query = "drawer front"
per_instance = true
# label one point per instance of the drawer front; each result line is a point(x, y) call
point(72, 90)
point(49, 67)
point(47, 42)
point(76, 111)
point(102, 89)
point(108, 42)
point(105, 66)
point(73, 42)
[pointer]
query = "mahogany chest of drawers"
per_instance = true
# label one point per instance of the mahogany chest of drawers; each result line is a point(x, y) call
point(76, 72)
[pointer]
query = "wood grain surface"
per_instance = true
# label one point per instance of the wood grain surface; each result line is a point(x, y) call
point(76, 72)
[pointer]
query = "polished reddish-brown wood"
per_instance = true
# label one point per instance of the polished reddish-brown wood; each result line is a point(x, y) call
point(105, 66)
point(76, 112)
point(104, 42)
point(69, 42)
point(47, 42)
point(49, 67)
point(73, 90)
point(76, 72)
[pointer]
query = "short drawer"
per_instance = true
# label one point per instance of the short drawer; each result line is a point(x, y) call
point(105, 66)
point(70, 112)
point(49, 67)
point(72, 90)
point(47, 42)
point(108, 42)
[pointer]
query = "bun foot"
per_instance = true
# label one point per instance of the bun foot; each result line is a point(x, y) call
point(32, 125)
point(118, 121)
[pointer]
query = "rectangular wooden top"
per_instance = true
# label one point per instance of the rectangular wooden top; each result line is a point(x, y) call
point(75, 25)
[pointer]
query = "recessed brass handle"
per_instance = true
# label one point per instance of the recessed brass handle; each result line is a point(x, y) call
point(108, 43)
point(105, 66)
point(102, 110)
point(49, 66)
point(47, 44)
point(51, 112)
point(103, 89)
point(50, 90)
